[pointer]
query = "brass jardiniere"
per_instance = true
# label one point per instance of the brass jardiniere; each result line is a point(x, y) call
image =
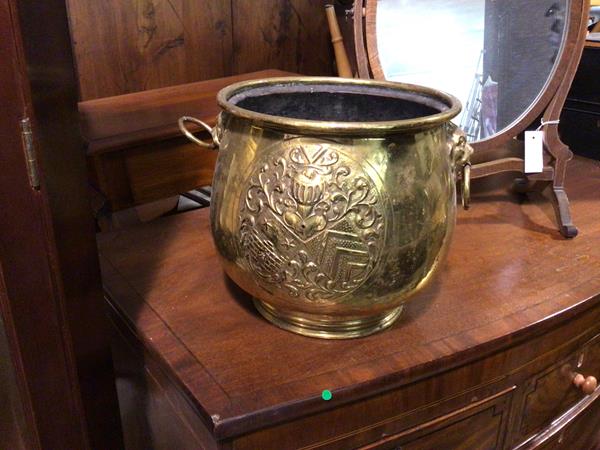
point(334, 200)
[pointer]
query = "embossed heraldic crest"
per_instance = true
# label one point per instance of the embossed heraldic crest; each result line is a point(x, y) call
point(311, 222)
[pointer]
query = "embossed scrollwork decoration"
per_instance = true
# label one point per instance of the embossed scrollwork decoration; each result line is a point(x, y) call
point(311, 222)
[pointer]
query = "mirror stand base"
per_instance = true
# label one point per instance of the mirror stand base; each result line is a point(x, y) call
point(563, 213)
point(533, 183)
point(560, 201)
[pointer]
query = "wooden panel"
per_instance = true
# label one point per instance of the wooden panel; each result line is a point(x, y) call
point(162, 169)
point(112, 179)
point(127, 46)
point(284, 34)
point(152, 171)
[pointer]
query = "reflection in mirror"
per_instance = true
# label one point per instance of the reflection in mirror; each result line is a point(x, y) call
point(494, 55)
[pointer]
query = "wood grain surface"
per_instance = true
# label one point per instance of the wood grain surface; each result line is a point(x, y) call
point(288, 35)
point(128, 46)
point(508, 275)
point(122, 120)
point(124, 46)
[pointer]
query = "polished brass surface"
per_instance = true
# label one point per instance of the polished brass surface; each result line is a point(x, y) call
point(332, 226)
point(466, 186)
point(324, 327)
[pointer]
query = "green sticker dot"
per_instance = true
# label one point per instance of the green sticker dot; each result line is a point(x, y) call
point(326, 394)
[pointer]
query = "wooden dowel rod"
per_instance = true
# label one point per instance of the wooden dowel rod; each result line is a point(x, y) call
point(341, 57)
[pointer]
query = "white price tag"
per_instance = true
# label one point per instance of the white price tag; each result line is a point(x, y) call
point(534, 151)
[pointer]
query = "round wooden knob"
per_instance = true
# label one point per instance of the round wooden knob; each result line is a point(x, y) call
point(587, 385)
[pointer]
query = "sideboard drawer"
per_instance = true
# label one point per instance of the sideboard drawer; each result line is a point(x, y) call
point(577, 429)
point(480, 426)
point(551, 393)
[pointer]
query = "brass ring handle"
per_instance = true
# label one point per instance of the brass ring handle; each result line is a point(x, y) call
point(586, 385)
point(466, 186)
point(212, 145)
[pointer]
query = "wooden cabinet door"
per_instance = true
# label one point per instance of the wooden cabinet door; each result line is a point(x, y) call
point(51, 301)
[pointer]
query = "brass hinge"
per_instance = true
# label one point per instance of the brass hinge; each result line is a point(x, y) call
point(32, 166)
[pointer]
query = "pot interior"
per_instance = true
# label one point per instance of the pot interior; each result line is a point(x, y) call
point(339, 102)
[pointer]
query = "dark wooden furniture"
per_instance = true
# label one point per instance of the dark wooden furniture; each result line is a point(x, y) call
point(501, 152)
point(483, 360)
point(580, 118)
point(135, 152)
point(61, 392)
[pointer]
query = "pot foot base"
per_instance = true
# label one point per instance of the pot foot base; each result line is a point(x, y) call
point(327, 328)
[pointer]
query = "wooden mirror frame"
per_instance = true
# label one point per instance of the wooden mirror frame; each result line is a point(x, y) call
point(496, 154)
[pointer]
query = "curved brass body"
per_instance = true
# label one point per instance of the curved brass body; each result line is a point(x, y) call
point(333, 226)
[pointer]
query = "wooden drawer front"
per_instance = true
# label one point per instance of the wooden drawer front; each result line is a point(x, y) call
point(578, 429)
point(551, 393)
point(481, 426)
point(151, 172)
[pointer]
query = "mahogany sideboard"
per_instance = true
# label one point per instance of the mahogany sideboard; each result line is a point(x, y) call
point(484, 358)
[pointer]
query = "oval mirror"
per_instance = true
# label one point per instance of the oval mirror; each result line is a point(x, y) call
point(496, 56)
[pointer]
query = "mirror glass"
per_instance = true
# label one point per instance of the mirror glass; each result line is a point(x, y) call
point(494, 55)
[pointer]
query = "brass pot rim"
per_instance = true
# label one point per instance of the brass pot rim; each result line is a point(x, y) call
point(337, 127)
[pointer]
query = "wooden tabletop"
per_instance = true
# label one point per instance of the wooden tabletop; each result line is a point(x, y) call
point(507, 276)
